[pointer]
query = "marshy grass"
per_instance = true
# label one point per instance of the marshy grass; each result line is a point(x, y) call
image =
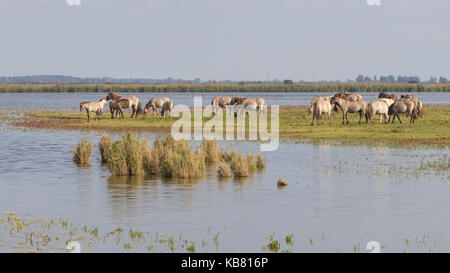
point(82, 153)
point(260, 162)
point(239, 165)
point(105, 146)
point(224, 156)
point(281, 183)
point(210, 150)
point(251, 162)
point(224, 170)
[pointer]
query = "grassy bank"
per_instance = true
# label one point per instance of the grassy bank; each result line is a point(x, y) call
point(221, 87)
point(295, 122)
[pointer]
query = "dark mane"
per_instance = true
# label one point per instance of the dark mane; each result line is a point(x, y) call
point(112, 96)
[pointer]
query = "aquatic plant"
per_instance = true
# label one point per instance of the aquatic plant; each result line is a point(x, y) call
point(133, 151)
point(105, 146)
point(210, 150)
point(82, 153)
point(224, 156)
point(281, 182)
point(251, 162)
point(150, 159)
point(117, 159)
point(260, 162)
point(239, 165)
point(223, 170)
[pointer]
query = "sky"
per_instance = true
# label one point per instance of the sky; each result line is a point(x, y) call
point(225, 39)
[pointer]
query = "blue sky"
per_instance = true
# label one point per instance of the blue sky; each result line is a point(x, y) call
point(225, 39)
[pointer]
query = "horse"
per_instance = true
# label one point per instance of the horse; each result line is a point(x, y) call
point(155, 104)
point(419, 103)
point(404, 106)
point(166, 107)
point(96, 107)
point(117, 106)
point(387, 96)
point(379, 107)
point(322, 106)
point(260, 102)
point(347, 106)
point(311, 104)
point(221, 102)
point(133, 103)
point(349, 97)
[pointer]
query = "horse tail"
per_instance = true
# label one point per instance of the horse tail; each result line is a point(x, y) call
point(420, 109)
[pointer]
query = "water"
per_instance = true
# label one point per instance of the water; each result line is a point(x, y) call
point(338, 196)
point(52, 100)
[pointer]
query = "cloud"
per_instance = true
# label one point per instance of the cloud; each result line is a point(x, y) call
point(374, 2)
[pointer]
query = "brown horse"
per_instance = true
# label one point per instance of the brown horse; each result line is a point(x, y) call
point(382, 95)
point(419, 103)
point(133, 103)
point(403, 106)
point(347, 106)
point(349, 97)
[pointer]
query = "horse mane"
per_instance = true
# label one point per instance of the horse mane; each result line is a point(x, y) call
point(113, 96)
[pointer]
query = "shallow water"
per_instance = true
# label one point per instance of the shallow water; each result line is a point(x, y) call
point(54, 100)
point(338, 197)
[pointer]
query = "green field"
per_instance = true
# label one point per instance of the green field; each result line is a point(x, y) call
point(295, 123)
point(232, 88)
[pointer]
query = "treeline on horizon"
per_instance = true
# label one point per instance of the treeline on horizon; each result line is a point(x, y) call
point(226, 88)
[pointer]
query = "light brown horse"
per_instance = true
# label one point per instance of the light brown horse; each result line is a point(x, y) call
point(117, 106)
point(404, 106)
point(322, 106)
point(311, 104)
point(349, 97)
point(379, 107)
point(96, 107)
point(166, 107)
point(419, 103)
point(347, 106)
point(133, 103)
point(155, 104)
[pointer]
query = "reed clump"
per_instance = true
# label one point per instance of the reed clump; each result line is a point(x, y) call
point(210, 150)
point(224, 170)
point(224, 156)
point(105, 146)
point(260, 162)
point(239, 165)
point(251, 162)
point(82, 153)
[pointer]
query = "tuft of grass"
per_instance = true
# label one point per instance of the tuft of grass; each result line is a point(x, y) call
point(224, 155)
point(117, 159)
point(260, 162)
point(289, 239)
point(191, 248)
point(133, 151)
point(239, 165)
point(224, 170)
point(82, 153)
point(150, 159)
point(105, 146)
point(210, 150)
point(251, 162)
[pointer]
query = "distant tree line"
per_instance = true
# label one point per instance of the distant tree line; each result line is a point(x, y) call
point(399, 79)
point(47, 79)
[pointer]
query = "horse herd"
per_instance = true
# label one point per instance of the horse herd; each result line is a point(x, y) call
point(387, 106)
point(160, 105)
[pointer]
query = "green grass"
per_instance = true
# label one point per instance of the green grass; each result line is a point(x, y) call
point(295, 123)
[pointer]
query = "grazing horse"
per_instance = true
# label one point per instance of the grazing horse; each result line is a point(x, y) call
point(419, 103)
point(221, 102)
point(311, 104)
point(260, 102)
point(133, 103)
point(155, 104)
point(322, 106)
point(347, 106)
point(379, 107)
point(349, 97)
point(387, 96)
point(166, 107)
point(96, 107)
point(404, 106)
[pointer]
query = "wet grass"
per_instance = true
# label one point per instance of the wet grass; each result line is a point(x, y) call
point(433, 129)
point(82, 153)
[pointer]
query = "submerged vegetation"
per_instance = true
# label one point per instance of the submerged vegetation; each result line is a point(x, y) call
point(82, 153)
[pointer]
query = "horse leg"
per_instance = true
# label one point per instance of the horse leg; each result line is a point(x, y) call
point(346, 117)
point(87, 112)
point(343, 117)
point(329, 116)
point(360, 116)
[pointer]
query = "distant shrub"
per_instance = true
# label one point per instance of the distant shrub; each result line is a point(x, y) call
point(82, 153)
